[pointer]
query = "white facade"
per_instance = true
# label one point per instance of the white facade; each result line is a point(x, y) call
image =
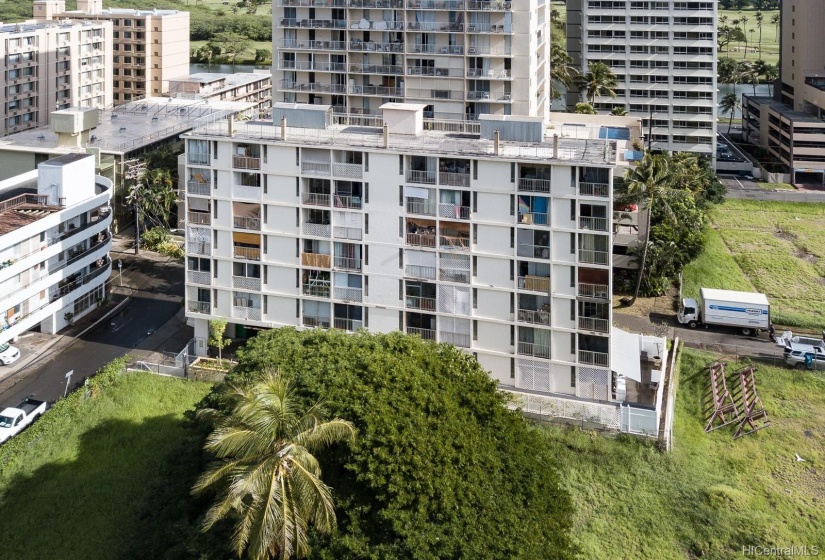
point(54, 244)
point(663, 53)
point(462, 58)
point(501, 248)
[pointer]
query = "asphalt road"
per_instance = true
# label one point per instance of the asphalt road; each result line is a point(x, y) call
point(156, 300)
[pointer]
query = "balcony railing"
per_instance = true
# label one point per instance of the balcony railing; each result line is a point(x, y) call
point(594, 291)
point(458, 276)
point(534, 316)
point(454, 243)
point(533, 218)
point(426, 334)
point(316, 199)
point(418, 271)
point(454, 211)
point(248, 313)
point(197, 188)
point(533, 349)
point(456, 339)
point(341, 232)
point(317, 288)
point(346, 201)
point(316, 321)
point(246, 162)
point(318, 230)
point(418, 302)
point(593, 257)
point(454, 179)
point(594, 189)
point(347, 263)
point(351, 325)
point(346, 293)
point(594, 324)
point(348, 170)
point(247, 253)
point(246, 283)
point(593, 224)
point(203, 307)
point(533, 251)
point(315, 260)
point(200, 277)
point(422, 177)
point(199, 248)
point(199, 218)
point(247, 222)
point(593, 358)
point(534, 185)
point(421, 240)
point(315, 168)
point(421, 208)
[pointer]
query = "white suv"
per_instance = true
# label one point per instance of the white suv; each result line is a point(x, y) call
point(8, 354)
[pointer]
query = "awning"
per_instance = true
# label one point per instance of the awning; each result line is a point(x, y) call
point(625, 356)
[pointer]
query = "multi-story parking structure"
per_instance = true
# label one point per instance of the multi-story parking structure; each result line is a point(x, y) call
point(54, 245)
point(461, 58)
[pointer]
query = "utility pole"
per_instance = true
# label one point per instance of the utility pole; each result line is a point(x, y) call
point(135, 169)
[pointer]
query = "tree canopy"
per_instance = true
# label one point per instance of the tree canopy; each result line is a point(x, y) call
point(440, 469)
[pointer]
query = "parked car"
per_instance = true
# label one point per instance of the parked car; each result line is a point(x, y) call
point(802, 343)
point(8, 354)
point(14, 419)
point(802, 359)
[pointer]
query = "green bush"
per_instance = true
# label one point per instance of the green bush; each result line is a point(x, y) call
point(154, 238)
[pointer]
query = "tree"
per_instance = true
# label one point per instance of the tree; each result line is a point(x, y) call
point(598, 80)
point(153, 198)
point(441, 468)
point(556, 20)
point(267, 479)
point(771, 74)
point(262, 56)
point(744, 21)
point(217, 327)
point(729, 104)
point(619, 111)
point(562, 70)
point(584, 109)
point(775, 19)
point(231, 44)
point(760, 17)
point(728, 35)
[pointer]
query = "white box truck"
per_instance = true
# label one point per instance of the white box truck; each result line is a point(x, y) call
point(750, 312)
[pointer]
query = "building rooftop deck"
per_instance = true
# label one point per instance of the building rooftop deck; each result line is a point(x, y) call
point(784, 110)
point(20, 205)
point(435, 142)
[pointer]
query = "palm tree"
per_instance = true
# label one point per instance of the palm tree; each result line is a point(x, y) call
point(598, 80)
point(619, 111)
point(775, 21)
point(266, 478)
point(648, 183)
point(584, 109)
point(723, 20)
point(561, 68)
point(771, 75)
point(729, 104)
point(744, 21)
point(759, 18)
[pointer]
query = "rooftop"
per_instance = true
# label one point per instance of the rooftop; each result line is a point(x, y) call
point(29, 26)
point(589, 151)
point(784, 110)
point(132, 126)
point(20, 205)
point(125, 12)
point(229, 79)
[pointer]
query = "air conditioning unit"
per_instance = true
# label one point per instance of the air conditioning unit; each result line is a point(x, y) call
point(472, 50)
point(507, 97)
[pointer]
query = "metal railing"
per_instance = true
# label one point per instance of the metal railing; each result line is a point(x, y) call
point(249, 313)
point(246, 283)
point(203, 307)
point(421, 240)
point(533, 349)
point(247, 253)
point(458, 276)
point(593, 257)
point(534, 316)
point(347, 201)
point(319, 230)
point(426, 334)
point(199, 218)
point(246, 162)
point(199, 248)
point(346, 293)
point(423, 177)
point(316, 199)
point(454, 211)
point(347, 263)
point(456, 339)
point(593, 358)
point(454, 179)
point(454, 243)
point(533, 251)
point(594, 324)
point(419, 302)
point(351, 325)
point(421, 208)
point(419, 271)
point(247, 222)
point(533, 218)
point(318, 288)
point(316, 321)
point(594, 189)
point(198, 188)
point(341, 232)
point(593, 224)
point(595, 291)
point(315, 168)
point(200, 277)
point(348, 170)
point(534, 185)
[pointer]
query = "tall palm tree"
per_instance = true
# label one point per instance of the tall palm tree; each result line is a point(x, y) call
point(598, 80)
point(648, 183)
point(760, 17)
point(562, 70)
point(723, 20)
point(267, 480)
point(771, 75)
point(775, 21)
point(729, 104)
point(619, 111)
point(744, 21)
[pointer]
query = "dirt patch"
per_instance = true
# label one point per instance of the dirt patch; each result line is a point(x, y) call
point(784, 236)
point(645, 307)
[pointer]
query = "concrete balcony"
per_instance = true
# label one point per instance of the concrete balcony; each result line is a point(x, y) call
point(347, 263)
point(534, 283)
point(198, 218)
point(461, 340)
point(315, 260)
point(534, 316)
point(346, 293)
point(350, 325)
point(594, 358)
point(594, 257)
point(601, 190)
point(348, 170)
point(353, 233)
point(199, 277)
point(199, 248)
point(315, 168)
point(593, 224)
point(418, 271)
point(316, 321)
point(202, 307)
point(246, 313)
point(594, 324)
point(316, 199)
point(317, 288)
point(247, 253)
point(246, 162)
point(346, 201)
point(533, 349)
point(247, 222)
point(426, 334)
point(454, 243)
point(421, 240)
point(318, 230)
point(454, 211)
point(421, 177)
point(594, 291)
point(534, 185)
point(533, 251)
point(454, 179)
point(421, 208)
point(246, 283)
point(418, 302)
point(196, 188)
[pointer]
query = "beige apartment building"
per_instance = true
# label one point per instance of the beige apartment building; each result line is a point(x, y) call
point(53, 65)
point(251, 87)
point(150, 46)
point(460, 58)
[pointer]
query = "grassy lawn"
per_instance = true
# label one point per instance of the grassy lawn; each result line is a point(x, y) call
point(770, 37)
point(76, 491)
point(776, 186)
point(776, 248)
point(247, 57)
point(711, 495)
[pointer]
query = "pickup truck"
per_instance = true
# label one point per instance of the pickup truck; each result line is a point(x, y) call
point(14, 419)
point(802, 358)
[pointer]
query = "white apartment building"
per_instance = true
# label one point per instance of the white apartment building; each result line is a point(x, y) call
point(461, 58)
point(150, 46)
point(48, 65)
point(250, 87)
point(54, 245)
point(663, 53)
point(492, 240)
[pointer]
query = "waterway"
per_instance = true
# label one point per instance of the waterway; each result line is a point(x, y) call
point(762, 90)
